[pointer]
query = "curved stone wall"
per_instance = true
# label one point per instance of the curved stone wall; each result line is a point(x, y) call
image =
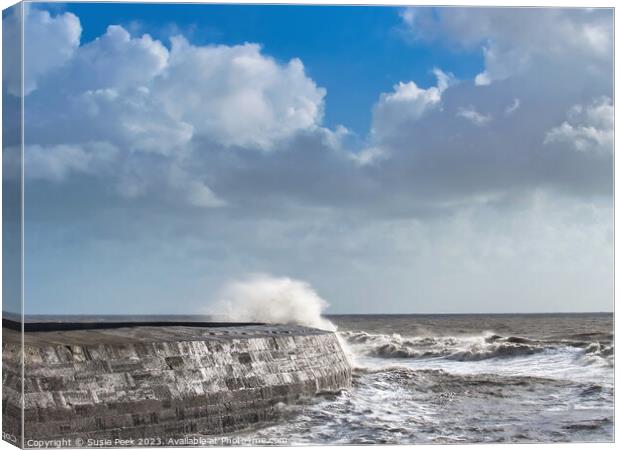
point(162, 382)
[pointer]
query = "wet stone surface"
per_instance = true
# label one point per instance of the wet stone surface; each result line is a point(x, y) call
point(162, 382)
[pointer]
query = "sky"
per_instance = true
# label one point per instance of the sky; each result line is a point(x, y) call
point(394, 160)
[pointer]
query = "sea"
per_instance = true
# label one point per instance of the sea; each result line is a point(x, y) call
point(462, 378)
point(421, 379)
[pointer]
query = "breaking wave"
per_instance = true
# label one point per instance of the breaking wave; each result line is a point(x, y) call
point(268, 299)
point(597, 353)
point(462, 348)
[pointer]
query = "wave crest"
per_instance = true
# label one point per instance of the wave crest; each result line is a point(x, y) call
point(268, 299)
point(597, 353)
point(466, 348)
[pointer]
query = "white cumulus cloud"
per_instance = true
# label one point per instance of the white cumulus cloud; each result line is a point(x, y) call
point(407, 103)
point(514, 40)
point(48, 44)
point(154, 104)
point(116, 60)
point(238, 96)
point(588, 128)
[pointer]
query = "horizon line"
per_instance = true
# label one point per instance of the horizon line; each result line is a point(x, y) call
point(327, 314)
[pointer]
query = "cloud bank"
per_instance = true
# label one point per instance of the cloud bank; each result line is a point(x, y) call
point(134, 94)
point(466, 195)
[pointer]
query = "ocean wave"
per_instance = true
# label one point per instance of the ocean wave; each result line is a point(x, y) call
point(598, 349)
point(429, 380)
point(465, 348)
point(598, 353)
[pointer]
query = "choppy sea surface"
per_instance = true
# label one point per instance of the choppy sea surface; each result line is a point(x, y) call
point(464, 378)
point(454, 379)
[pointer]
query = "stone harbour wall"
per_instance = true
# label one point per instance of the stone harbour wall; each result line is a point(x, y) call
point(153, 382)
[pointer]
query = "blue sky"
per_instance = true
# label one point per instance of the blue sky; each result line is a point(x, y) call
point(354, 52)
point(385, 160)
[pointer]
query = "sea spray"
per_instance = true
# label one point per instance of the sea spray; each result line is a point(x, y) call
point(282, 300)
point(268, 299)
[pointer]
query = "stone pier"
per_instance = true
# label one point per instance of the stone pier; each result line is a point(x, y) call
point(160, 382)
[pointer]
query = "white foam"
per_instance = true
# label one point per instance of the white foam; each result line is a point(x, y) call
point(476, 354)
point(268, 299)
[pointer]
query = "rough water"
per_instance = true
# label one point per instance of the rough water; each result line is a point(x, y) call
point(464, 378)
point(453, 379)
